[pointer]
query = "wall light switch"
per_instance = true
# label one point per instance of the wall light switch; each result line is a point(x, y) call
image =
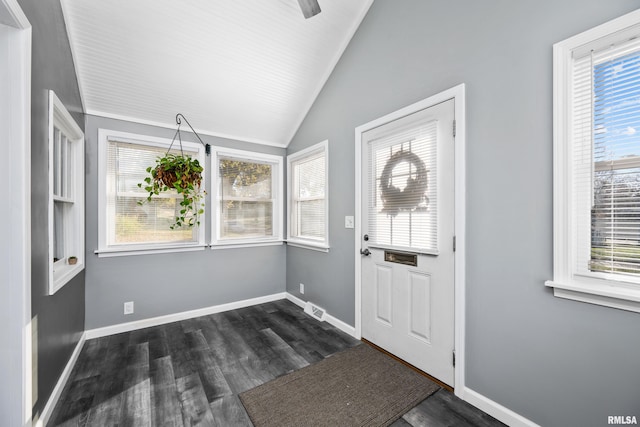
point(348, 222)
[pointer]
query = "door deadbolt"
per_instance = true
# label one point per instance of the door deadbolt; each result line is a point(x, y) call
point(366, 237)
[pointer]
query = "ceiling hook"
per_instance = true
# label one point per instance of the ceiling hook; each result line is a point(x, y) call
point(179, 122)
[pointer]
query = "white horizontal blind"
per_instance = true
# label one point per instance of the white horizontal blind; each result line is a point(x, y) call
point(606, 160)
point(403, 199)
point(129, 223)
point(308, 198)
point(245, 198)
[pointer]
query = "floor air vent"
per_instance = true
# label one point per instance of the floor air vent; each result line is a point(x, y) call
point(315, 311)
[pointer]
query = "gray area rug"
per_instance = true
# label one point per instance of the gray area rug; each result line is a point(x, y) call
point(356, 387)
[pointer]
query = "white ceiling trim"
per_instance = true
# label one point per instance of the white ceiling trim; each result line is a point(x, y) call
point(173, 125)
point(329, 71)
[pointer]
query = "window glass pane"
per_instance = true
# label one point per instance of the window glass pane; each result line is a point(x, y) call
point(57, 169)
point(244, 179)
point(64, 166)
point(246, 193)
point(311, 218)
point(128, 221)
point(58, 231)
point(616, 222)
point(246, 219)
point(308, 200)
point(149, 222)
point(615, 213)
point(311, 178)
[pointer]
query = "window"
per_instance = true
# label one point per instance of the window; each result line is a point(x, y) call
point(248, 197)
point(125, 225)
point(66, 196)
point(308, 202)
point(597, 165)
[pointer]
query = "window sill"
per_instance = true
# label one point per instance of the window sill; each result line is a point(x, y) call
point(237, 245)
point(595, 293)
point(308, 245)
point(63, 274)
point(113, 252)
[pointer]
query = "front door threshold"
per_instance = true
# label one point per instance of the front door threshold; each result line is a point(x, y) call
point(409, 365)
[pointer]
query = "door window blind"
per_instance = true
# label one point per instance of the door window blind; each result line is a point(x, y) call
point(403, 199)
point(606, 159)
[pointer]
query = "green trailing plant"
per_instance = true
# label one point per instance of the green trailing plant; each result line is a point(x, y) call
point(182, 174)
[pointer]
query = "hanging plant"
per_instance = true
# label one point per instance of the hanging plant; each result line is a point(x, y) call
point(182, 174)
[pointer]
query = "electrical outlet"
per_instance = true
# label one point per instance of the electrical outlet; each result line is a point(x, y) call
point(128, 307)
point(348, 222)
point(301, 288)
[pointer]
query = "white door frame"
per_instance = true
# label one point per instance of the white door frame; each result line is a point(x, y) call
point(457, 93)
point(15, 120)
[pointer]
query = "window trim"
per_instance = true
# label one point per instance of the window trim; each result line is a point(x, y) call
point(104, 250)
point(277, 187)
point(566, 282)
point(301, 242)
point(60, 272)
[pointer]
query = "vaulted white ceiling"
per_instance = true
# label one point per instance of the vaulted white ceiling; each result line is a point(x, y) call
point(241, 69)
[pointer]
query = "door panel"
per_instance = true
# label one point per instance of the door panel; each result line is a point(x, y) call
point(420, 306)
point(384, 299)
point(408, 211)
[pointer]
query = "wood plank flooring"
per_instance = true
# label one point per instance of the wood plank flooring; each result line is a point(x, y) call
point(189, 373)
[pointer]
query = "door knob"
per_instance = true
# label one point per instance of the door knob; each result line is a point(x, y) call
point(365, 252)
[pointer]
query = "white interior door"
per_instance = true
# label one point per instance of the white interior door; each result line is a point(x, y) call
point(408, 238)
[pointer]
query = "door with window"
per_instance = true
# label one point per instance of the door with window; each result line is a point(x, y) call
point(408, 238)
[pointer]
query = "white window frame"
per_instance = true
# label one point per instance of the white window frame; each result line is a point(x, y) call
point(61, 272)
point(605, 291)
point(321, 148)
point(277, 191)
point(106, 250)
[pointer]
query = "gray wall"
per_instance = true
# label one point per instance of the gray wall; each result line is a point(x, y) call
point(161, 284)
point(554, 361)
point(60, 317)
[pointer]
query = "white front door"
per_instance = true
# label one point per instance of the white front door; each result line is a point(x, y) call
point(408, 238)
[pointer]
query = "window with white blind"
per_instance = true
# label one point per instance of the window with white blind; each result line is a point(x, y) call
point(66, 196)
point(403, 196)
point(247, 195)
point(597, 165)
point(308, 202)
point(126, 225)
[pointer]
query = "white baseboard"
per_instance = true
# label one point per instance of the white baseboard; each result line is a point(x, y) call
point(62, 381)
point(347, 329)
point(294, 299)
point(169, 318)
point(334, 321)
point(496, 410)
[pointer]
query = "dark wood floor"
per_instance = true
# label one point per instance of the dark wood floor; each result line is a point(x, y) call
point(189, 373)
